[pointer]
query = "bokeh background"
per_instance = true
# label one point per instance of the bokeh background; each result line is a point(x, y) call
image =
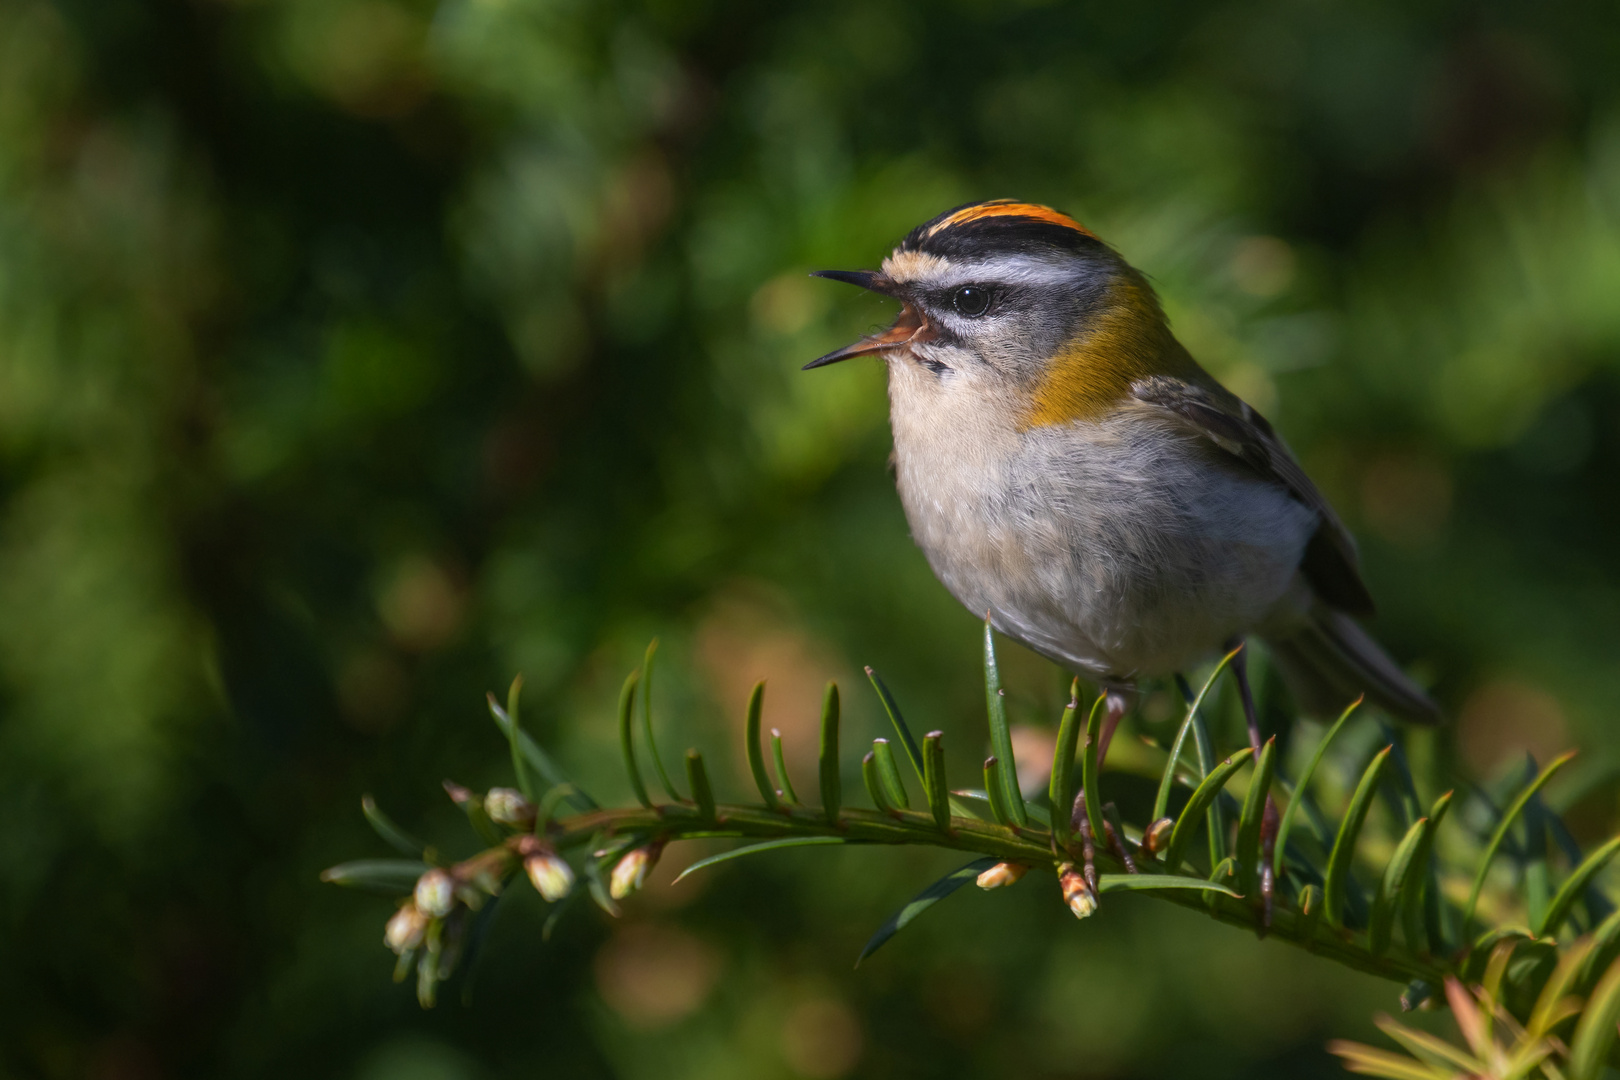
point(357, 355)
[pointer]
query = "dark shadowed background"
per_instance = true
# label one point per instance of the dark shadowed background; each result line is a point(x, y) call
point(357, 355)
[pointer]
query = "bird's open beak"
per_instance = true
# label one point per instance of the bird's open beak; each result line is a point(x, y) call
point(908, 329)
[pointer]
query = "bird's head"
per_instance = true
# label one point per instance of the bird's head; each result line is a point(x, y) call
point(1019, 300)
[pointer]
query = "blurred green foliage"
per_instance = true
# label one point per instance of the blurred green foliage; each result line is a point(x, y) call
point(358, 354)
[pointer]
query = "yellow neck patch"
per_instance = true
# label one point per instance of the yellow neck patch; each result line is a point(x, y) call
point(1092, 373)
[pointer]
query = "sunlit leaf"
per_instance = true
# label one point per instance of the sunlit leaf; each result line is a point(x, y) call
point(924, 900)
point(1215, 812)
point(1534, 871)
point(1595, 1031)
point(597, 886)
point(831, 790)
point(889, 775)
point(755, 749)
point(1012, 800)
point(392, 876)
point(934, 784)
point(1302, 785)
point(537, 757)
point(1598, 906)
point(1090, 768)
point(1419, 898)
point(874, 784)
point(1398, 775)
point(396, 838)
point(428, 974)
point(1396, 878)
point(1471, 1020)
point(1567, 894)
point(975, 802)
point(514, 728)
point(647, 730)
point(1202, 798)
point(1058, 787)
point(1430, 1049)
point(768, 845)
point(627, 742)
point(1557, 993)
point(1254, 809)
point(1344, 847)
point(788, 794)
point(1514, 809)
point(1370, 1061)
point(1161, 803)
point(1605, 950)
point(549, 802)
point(913, 751)
point(996, 792)
point(1486, 946)
point(1226, 868)
point(1151, 882)
point(697, 778)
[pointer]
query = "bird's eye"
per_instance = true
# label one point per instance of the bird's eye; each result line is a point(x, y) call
point(971, 300)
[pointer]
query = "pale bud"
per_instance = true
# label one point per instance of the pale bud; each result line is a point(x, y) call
point(1157, 837)
point(552, 877)
point(436, 893)
point(631, 871)
point(1003, 873)
point(406, 928)
point(507, 806)
point(1077, 891)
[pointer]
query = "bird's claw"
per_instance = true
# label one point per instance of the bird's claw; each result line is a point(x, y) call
point(1269, 821)
point(1080, 822)
point(1116, 840)
point(1114, 843)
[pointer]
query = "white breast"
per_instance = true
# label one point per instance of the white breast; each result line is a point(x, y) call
point(1119, 548)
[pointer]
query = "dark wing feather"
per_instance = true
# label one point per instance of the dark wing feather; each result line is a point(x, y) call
point(1330, 562)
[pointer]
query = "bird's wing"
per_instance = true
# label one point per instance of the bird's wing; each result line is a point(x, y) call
point(1330, 563)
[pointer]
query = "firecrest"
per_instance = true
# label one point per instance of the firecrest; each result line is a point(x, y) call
point(1068, 467)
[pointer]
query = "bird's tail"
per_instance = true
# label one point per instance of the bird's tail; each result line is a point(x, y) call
point(1331, 660)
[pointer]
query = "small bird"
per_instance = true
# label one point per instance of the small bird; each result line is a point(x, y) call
point(1068, 468)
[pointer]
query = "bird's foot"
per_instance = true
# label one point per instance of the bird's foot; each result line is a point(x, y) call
point(1269, 819)
point(1269, 822)
point(1115, 834)
point(1080, 822)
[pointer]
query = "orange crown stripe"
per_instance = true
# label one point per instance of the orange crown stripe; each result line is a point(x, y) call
point(1008, 208)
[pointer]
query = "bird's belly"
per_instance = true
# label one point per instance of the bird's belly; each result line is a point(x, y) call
point(1118, 552)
